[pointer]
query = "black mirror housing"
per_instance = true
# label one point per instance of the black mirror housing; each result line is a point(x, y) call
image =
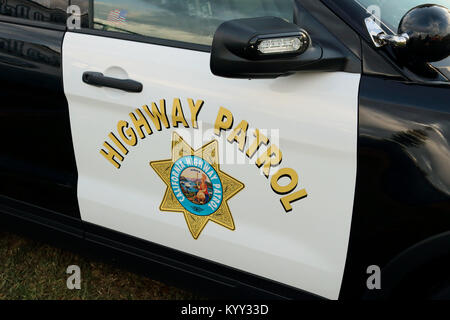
point(236, 49)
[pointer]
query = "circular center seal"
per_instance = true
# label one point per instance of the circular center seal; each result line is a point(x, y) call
point(196, 185)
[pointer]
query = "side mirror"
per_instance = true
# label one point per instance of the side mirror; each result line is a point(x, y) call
point(423, 35)
point(265, 47)
point(428, 29)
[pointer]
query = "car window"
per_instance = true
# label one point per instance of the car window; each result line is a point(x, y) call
point(52, 11)
point(193, 21)
point(83, 5)
point(390, 12)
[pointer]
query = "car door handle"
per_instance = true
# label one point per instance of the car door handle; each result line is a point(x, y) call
point(98, 79)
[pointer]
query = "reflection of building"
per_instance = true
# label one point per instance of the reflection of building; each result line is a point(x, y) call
point(42, 55)
point(31, 10)
point(198, 8)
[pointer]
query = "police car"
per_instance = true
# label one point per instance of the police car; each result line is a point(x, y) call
point(275, 148)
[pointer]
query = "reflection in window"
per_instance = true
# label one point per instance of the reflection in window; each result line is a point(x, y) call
point(84, 10)
point(392, 11)
point(193, 21)
point(53, 11)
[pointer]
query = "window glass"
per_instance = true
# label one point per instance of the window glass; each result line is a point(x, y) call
point(193, 21)
point(53, 11)
point(391, 12)
point(84, 11)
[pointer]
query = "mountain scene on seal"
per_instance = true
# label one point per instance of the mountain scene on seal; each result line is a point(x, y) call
point(196, 186)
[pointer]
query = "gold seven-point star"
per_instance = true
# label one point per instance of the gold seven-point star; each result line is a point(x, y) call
point(196, 186)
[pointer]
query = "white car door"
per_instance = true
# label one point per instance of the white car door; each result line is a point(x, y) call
point(258, 175)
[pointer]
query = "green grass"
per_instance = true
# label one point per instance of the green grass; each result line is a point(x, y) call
point(33, 270)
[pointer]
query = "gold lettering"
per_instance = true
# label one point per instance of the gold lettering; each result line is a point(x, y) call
point(139, 122)
point(222, 124)
point(239, 134)
point(129, 136)
point(118, 143)
point(157, 116)
point(284, 173)
point(111, 154)
point(177, 114)
point(195, 109)
point(271, 158)
point(287, 200)
point(259, 141)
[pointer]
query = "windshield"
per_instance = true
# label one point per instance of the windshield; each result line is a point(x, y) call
point(390, 12)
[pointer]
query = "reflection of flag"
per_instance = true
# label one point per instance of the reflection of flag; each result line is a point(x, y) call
point(117, 16)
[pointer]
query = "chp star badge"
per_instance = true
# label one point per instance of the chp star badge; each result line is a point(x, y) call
point(196, 186)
